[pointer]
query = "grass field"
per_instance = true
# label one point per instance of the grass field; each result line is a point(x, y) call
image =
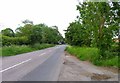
point(14, 50)
point(92, 55)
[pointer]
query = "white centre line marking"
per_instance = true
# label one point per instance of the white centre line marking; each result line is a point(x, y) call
point(14, 65)
point(42, 54)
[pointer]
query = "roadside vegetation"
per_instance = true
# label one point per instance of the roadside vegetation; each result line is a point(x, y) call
point(95, 34)
point(29, 37)
point(15, 49)
point(92, 55)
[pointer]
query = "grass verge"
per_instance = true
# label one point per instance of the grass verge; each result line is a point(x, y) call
point(92, 55)
point(14, 49)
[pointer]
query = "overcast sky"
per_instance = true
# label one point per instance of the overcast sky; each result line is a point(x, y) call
point(50, 12)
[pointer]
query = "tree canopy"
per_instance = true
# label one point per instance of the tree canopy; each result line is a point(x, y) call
point(97, 25)
point(8, 32)
point(31, 34)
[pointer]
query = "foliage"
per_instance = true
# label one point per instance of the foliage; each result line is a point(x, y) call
point(0, 51)
point(15, 49)
point(29, 34)
point(24, 30)
point(27, 22)
point(51, 35)
point(96, 25)
point(27, 38)
point(6, 41)
point(92, 55)
point(8, 32)
point(35, 36)
point(76, 34)
point(0, 40)
point(84, 53)
point(38, 46)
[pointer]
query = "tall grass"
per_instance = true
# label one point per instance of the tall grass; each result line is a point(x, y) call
point(0, 51)
point(14, 49)
point(92, 55)
point(38, 46)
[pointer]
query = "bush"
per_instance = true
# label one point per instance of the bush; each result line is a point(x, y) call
point(93, 55)
point(7, 41)
point(111, 62)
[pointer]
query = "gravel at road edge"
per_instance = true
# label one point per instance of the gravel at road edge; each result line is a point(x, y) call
point(76, 70)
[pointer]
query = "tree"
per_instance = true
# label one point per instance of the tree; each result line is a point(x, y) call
point(98, 24)
point(39, 33)
point(24, 31)
point(51, 35)
point(8, 32)
point(35, 36)
point(27, 21)
point(101, 18)
point(76, 34)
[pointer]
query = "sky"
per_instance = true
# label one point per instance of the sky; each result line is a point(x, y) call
point(50, 12)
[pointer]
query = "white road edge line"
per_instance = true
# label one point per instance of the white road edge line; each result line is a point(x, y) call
point(15, 65)
point(42, 54)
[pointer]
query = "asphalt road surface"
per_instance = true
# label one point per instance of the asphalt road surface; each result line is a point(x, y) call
point(42, 65)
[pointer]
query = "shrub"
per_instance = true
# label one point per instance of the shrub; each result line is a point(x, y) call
point(7, 41)
point(93, 55)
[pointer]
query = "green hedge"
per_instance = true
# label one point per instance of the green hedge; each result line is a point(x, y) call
point(6, 41)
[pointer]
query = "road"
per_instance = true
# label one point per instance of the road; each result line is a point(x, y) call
point(42, 65)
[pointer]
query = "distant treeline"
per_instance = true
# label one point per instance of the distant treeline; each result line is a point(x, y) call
point(30, 34)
